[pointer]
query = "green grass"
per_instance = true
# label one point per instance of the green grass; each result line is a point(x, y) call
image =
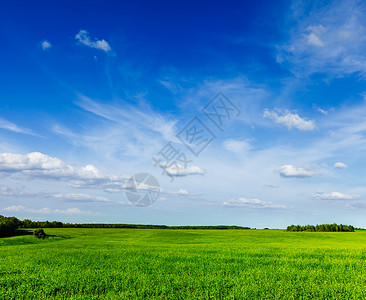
point(183, 264)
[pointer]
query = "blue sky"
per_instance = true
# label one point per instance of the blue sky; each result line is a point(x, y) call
point(91, 91)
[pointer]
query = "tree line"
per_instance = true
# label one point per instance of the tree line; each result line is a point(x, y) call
point(322, 228)
point(54, 224)
point(8, 226)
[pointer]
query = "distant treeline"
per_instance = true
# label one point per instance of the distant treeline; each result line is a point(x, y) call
point(322, 228)
point(46, 224)
point(8, 226)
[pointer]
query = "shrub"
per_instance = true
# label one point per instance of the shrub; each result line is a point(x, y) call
point(39, 233)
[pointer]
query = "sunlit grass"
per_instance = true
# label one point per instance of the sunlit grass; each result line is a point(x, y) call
point(183, 264)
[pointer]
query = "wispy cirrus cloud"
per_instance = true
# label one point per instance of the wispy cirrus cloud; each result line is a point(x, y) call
point(141, 117)
point(4, 124)
point(46, 210)
point(74, 197)
point(11, 191)
point(237, 146)
point(328, 38)
point(253, 203)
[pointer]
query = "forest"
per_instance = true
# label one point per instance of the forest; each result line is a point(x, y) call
point(322, 228)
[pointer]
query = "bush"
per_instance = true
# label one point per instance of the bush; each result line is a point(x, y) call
point(39, 233)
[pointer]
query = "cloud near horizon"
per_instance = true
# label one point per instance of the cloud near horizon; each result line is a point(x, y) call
point(335, 196)
point(45, 210)
point(252, 203)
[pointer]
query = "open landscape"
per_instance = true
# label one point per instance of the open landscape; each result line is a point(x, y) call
point(189, 149)
point(103, 263)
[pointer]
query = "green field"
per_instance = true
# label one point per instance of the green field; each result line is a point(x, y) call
point(183, 264)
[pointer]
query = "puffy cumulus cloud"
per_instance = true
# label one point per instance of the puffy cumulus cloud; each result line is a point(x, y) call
point(253, 203)
point(290, 120)
point(46, 45)
point(177, 170)
point(84, 38)
point(328, 38)
point(38, 165)
point(340, 165)
point(45, 210)
point(335, 196)
point(289, 171)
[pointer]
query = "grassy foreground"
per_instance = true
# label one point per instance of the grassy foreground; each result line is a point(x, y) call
point(183, 264)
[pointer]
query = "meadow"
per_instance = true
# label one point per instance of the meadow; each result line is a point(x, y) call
point(79, 263)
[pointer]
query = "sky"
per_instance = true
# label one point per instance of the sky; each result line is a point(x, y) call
point(215, 112)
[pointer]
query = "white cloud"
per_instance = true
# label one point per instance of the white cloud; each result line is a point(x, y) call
point(45, 210)
point(84, 38)
point(289, 171)
point(71, 197)
point(80, 197)
point(290, 120)
point(182, 192)
point(4, 124)
point(340, 165)
point(237, 146)
point(38, 165)
point(312, 38)
point(335, 196)
point(322, 111)
point(46, 45)
point(177, 170)
point(327, 38)
point(252, 203)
